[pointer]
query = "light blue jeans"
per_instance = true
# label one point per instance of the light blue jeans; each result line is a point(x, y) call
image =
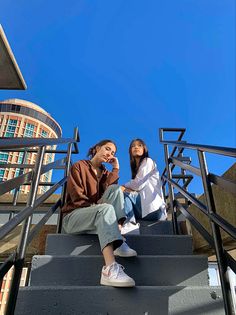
point(101, 219)
point(133, 208)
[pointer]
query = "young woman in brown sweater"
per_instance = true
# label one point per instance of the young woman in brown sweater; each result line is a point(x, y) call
point(95, 205)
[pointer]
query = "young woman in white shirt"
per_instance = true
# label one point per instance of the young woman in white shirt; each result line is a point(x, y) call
point(143, 193)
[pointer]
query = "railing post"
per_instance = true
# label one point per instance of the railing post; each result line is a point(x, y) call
point(21, 249)
point(66, 173)
point(16, 192)
point(221, 259)
point(171, 191)
point(164, 192)
point(183, 172)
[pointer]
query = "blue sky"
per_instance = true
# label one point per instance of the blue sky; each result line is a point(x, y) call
point(123, 69)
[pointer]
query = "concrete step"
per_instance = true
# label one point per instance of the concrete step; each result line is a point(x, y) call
point(146, 270)
point(177, 300)
point(156, 228)
point(65, 244)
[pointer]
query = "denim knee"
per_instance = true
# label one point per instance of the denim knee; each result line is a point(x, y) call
point(113, 187)
point(108, 211)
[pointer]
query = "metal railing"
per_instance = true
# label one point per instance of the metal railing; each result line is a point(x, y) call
point(40, 146)
point(175, 159)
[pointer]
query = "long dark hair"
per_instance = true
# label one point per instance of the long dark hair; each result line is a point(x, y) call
point(133, 165)
point(93, 150)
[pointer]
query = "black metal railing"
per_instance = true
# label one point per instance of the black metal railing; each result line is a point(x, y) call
point(39, 146)
point(176, 158)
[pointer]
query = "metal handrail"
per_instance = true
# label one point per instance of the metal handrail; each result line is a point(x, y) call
point(17, 143)
point(28, 211)
point(206, 235)
point(161, 135)
point(217, 222)
point(187, 167)
point(206, 148)
point(15, 182)
point(187, 195)
point(44, 219)
point(32, 178)
point(27, 177)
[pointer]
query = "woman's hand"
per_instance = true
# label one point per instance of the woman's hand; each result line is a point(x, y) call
point(124, 189)
point(114, 162)
point(129, 190)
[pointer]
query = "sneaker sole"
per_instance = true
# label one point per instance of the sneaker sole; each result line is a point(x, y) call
point(117, 284)
point(163, 219)
point(125, 255)
point(133, 232)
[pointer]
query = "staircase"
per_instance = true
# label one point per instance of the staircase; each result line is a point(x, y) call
point(169, 278)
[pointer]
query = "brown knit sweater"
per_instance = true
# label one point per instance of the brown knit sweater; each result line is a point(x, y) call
point(83, 186)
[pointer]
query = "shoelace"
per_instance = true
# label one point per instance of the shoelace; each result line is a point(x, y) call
point(120, 270)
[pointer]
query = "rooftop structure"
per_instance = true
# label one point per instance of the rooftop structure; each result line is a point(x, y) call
point(20, 118)
point(10, 74)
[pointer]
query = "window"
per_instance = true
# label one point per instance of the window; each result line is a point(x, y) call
point(7, 134)
point(3, 157)
point(17, 172)
point(29, 130)
point(12, 122)
point(20, 157)
point(44, 134)
point(2, 171)
point(15, 108)
point(32, 113)
point(11, 127)
point(47, 177)
point(20, 160)
point(50, 157)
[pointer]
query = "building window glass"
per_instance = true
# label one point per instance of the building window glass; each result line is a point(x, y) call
point(2, 171)
point(20, 160)
point(44, 134)
point(29, 130)
point(46, 177)
point(50, 157)
point(20, 157)
point(12, 122)
point(17, 172)
point(3, 157)
point(32, 113)
point(11, 127)
point(15, 108)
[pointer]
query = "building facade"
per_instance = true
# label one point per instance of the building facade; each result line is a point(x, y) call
point(20, 118)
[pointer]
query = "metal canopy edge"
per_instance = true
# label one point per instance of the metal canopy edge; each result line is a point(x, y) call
point(10, 74)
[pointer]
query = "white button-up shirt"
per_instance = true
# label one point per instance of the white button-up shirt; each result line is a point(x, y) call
point(148, 184)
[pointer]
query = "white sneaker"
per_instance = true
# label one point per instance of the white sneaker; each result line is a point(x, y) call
point(163, 216)
point(125, 251)
point(130, 228)
point(115, 276)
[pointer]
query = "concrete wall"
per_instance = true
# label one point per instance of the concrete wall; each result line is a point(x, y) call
point(225, 203)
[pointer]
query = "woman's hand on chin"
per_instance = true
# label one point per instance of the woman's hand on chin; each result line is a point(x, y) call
point(114, 162)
